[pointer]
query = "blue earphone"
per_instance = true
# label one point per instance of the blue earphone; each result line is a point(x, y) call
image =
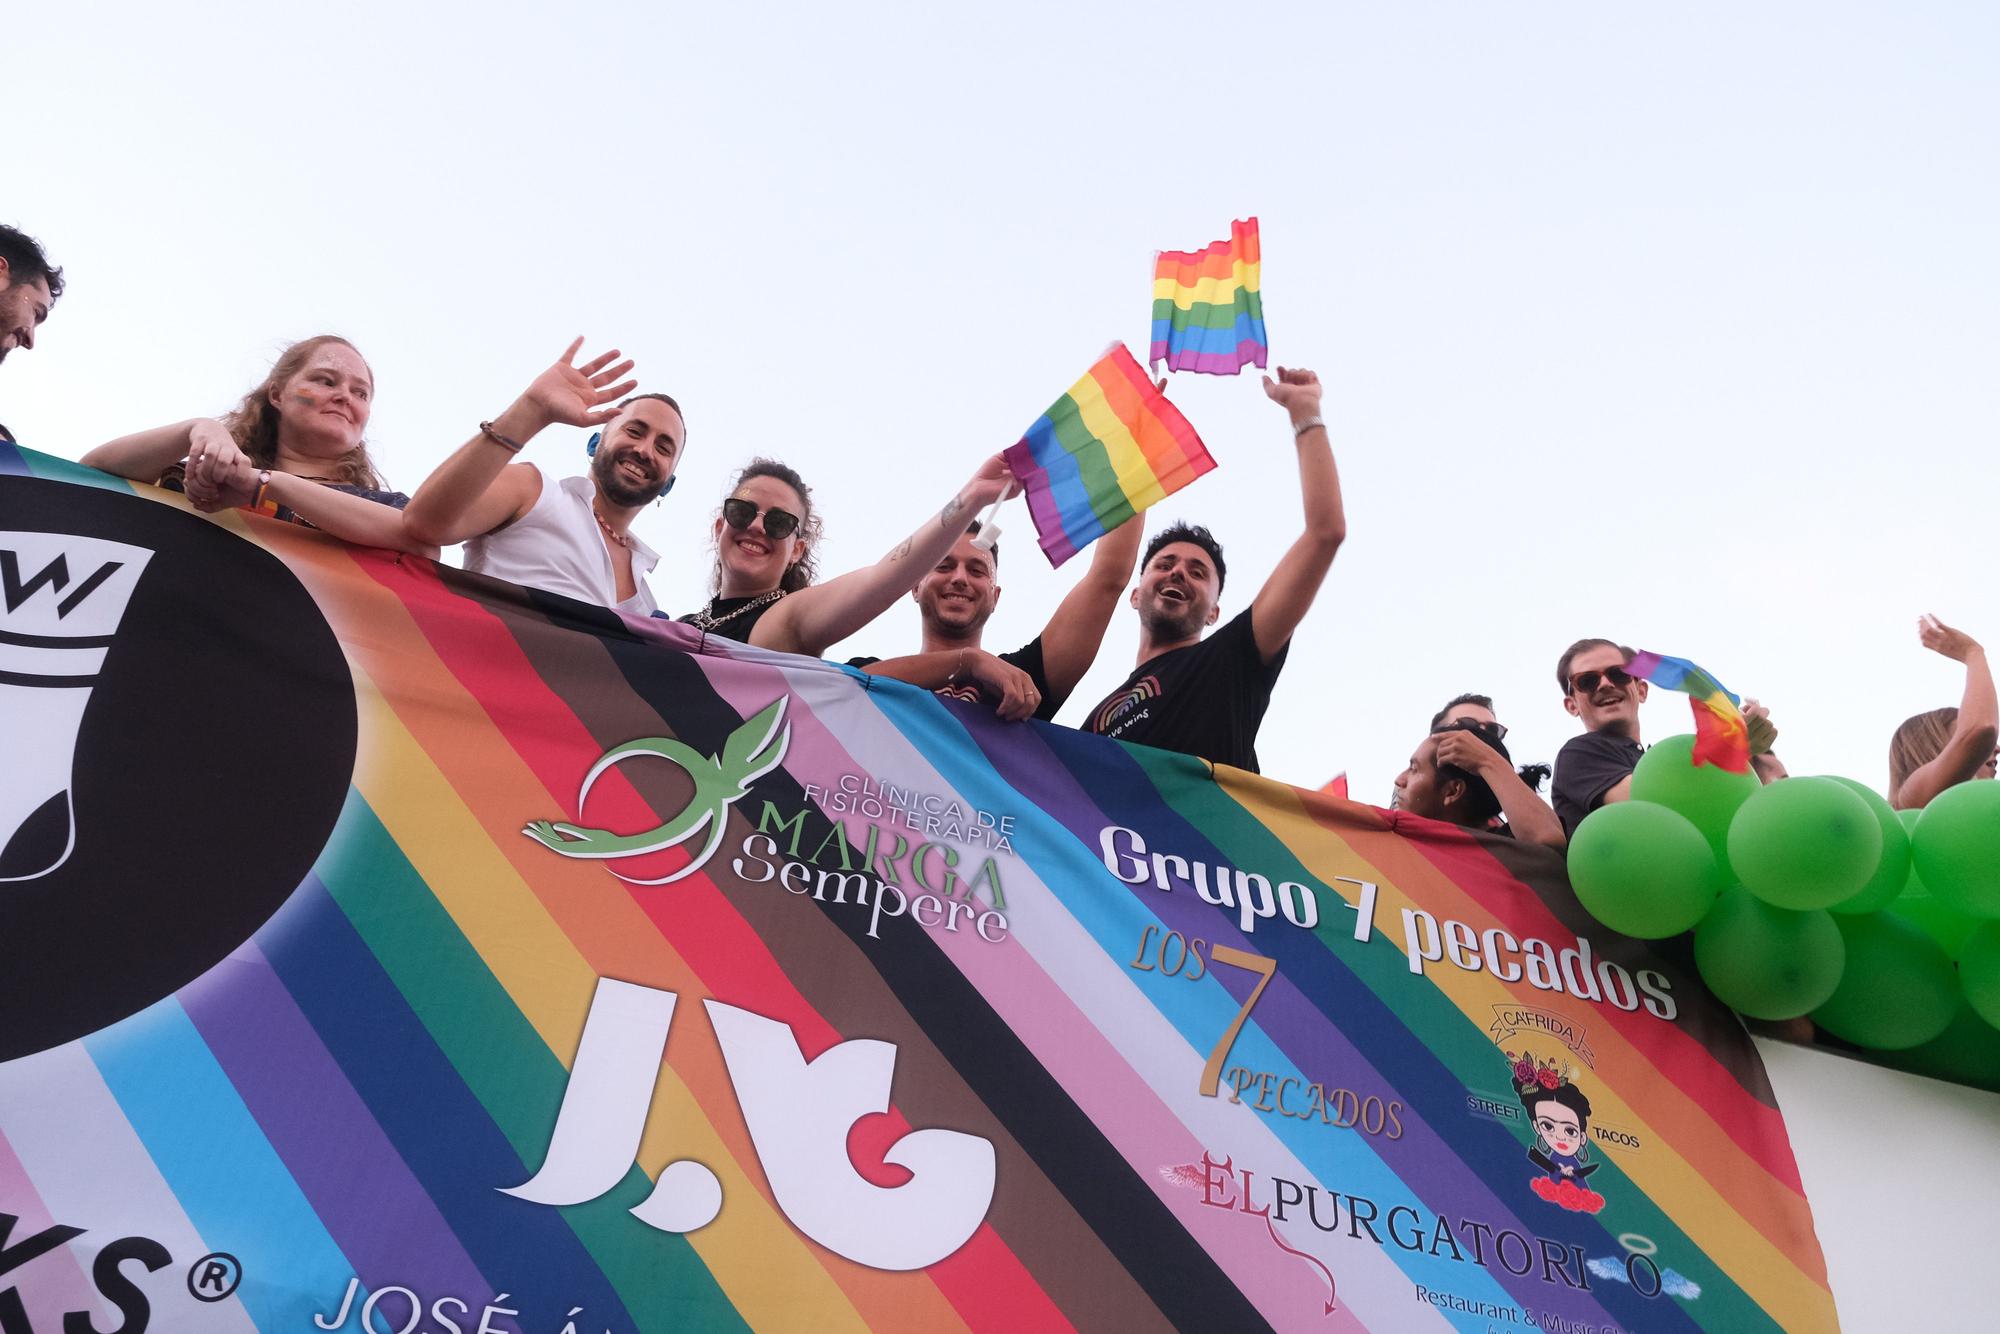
point(590, 448)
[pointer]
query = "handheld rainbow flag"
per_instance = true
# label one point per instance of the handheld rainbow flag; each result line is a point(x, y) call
point(1208, 315)
point(1109, 448)
point(1721, 736)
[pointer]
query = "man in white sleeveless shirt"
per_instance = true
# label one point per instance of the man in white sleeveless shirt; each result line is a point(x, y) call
point(574, 535)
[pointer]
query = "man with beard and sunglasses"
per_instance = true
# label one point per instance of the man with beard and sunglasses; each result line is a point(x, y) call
point(571, 536)
point(1207, 697)
point(1596, 767)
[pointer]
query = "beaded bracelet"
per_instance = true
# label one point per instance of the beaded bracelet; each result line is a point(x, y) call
point(511, 446)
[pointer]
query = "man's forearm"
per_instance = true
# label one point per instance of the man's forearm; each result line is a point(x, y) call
point(438, 513)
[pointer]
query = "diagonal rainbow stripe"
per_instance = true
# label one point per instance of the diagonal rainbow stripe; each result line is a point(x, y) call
point(345, 1095)
point(1106, 450)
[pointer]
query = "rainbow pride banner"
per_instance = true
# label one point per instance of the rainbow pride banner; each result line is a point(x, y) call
point(392, 948)
point(1208, 312)
point(1106, 450)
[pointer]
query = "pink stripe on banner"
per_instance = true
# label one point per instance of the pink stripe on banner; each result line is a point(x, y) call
point(1101, 1038)
point(56, 1282)
point(322, 1131)
point(56, 1112)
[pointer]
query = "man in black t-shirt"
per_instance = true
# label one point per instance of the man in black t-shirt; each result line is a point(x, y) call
point(1596, 767)
point(1207, 697)
point(958, 597)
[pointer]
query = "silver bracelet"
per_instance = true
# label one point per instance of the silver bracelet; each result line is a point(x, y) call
point(1307, 425)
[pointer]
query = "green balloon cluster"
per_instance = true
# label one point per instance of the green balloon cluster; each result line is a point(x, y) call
point(1811, 896)
point(1642, 870)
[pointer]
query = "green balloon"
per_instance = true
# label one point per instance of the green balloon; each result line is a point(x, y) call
point(1979, 972)
point(1967, 1052)
point(1897, 990)
point(1768, 963)
point(1956, 847)
point(1706, 795)
point(1804, 843)
point(1892, 872)
point(1642, 870)
point(1935, 918)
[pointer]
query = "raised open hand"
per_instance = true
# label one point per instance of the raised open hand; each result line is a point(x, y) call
point(1941, 638)
point(573, 395)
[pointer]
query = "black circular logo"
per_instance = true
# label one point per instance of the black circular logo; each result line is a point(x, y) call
point(177, 733)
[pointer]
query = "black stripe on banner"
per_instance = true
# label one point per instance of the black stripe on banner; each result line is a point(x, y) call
point(55, 641)
point(46, 682)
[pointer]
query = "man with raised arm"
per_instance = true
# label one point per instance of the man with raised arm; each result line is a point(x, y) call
point(1596, 767)
point(958, 597)
point(573, 535)
point(29, 286)
point(1207, 697)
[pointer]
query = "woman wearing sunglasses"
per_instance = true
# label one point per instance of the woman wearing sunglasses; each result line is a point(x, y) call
point(764, 562)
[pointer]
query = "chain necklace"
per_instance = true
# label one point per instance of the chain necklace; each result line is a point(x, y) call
point(706, 619)
point(620, 538)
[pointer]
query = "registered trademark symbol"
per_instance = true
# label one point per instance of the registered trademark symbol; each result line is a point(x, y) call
point(214, 1277)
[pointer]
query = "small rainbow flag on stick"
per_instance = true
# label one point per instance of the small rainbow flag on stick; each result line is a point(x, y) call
point(1109, 448)
point(1207, 312)
point(1721, 736)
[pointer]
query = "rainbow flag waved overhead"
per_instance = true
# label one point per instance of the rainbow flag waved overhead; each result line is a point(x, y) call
point(1109, 448)
point(1721, 735)
point(520, 963)
point(1208, 314)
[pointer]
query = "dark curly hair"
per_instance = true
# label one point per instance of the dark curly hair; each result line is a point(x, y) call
point(26, 261)
point(1178, 531)
point(801, 572)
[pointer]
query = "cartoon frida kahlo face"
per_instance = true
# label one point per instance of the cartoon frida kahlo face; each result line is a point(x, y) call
point(1558, 1126)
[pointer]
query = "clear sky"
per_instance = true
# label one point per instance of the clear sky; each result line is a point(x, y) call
point(1677, 324)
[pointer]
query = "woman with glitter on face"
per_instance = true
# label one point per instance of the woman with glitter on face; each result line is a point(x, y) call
point(293, 447)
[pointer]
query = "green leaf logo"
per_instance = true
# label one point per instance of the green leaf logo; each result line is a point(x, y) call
point(752, 750)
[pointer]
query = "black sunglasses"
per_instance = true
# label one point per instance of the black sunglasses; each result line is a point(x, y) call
point(1587, 682)
point(740, 514)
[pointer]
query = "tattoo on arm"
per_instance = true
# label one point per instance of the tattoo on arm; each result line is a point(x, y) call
point(952, 509)
point(903, 550)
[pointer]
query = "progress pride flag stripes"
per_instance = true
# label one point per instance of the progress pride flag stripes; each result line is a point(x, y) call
point(390, 1050)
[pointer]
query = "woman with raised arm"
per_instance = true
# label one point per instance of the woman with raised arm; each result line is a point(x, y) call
point(293, 446)
point(765, 567)
point(1936, 750)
